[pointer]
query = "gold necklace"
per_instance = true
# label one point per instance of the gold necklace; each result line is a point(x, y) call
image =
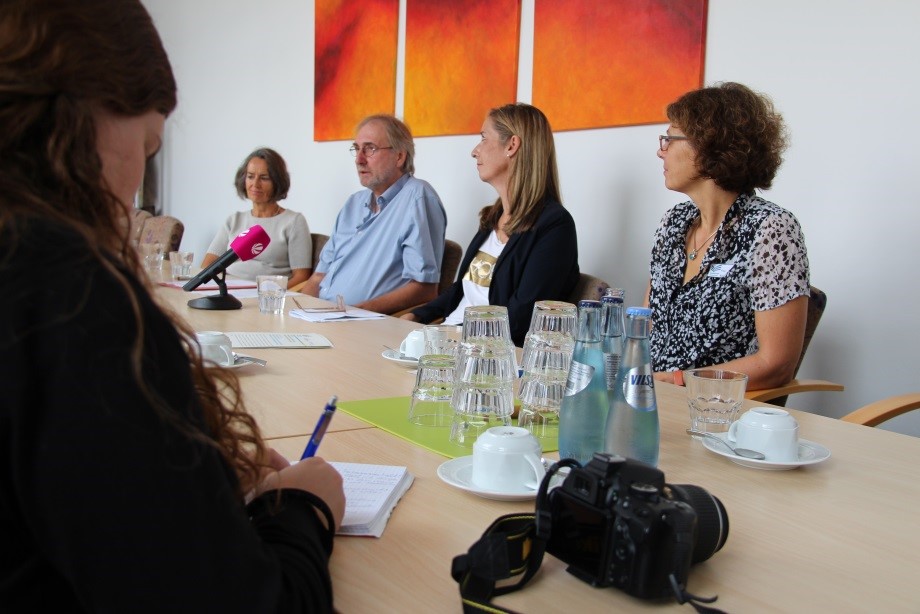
point(696, 248)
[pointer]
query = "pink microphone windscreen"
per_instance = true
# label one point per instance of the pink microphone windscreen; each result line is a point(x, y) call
point(250, 243)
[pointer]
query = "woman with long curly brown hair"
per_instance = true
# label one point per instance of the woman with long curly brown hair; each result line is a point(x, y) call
point(729, 272)
point(126, 460)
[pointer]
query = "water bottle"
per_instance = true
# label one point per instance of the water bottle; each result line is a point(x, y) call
point(584, 408)
point(612, 336)
point(632, 424)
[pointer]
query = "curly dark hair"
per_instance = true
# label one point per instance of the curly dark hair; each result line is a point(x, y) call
point(277, 170)
point(738, 136)
point(59, 61)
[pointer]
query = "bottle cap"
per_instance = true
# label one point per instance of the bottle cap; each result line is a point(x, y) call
point(639, 311)
point(588, 303)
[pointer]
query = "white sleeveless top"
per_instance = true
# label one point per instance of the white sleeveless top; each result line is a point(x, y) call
point(478, 278)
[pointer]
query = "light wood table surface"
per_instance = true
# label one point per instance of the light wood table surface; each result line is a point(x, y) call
point(839, 536)
point(287, 395)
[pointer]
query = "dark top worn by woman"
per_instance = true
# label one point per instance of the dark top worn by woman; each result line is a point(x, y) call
point(540, 264)
point(104, 503)
point(757, 261)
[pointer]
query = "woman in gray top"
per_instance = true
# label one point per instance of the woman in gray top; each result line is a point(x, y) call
point(263, 179)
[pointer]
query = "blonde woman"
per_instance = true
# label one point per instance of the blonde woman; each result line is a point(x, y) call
point(526, 248)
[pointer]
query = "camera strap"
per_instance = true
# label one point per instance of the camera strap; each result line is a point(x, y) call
point(509, 548)
point(512, 548)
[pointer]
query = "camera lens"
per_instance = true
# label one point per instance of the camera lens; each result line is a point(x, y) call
point(711, 519)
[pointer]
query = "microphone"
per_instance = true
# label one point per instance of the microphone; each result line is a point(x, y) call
point(246, 246)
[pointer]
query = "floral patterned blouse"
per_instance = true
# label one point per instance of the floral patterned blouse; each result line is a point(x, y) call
point(757, 261)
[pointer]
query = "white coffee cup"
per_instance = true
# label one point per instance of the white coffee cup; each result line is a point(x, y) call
point(770, 430)
point(507, 459)
point(216, 347)
point(413, 345)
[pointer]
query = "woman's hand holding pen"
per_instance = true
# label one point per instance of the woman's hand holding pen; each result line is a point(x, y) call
point(313, 475)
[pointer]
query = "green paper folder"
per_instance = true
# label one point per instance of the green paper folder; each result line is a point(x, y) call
point(391, 415)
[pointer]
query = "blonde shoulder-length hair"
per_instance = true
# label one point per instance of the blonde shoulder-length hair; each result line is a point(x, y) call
point(534, 177)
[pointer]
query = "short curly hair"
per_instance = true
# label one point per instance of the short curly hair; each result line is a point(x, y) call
point(738, 136)
point(277, 171)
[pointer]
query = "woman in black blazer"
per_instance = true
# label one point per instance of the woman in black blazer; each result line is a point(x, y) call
point(526, 248)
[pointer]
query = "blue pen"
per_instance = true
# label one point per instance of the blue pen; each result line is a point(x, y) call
point(321, 425)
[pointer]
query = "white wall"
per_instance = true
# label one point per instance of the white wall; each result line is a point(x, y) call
point(843, 72)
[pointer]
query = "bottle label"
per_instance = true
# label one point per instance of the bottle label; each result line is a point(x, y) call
point(580, 376)
point(611, 366)
point(639, 388)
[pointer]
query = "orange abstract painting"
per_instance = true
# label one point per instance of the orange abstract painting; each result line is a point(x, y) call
point(355, 64)
point(616, 62)
point(461, 60)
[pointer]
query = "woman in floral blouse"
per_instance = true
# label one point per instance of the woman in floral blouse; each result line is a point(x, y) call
point(729, 270)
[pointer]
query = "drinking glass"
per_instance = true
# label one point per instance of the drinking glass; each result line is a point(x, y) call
point(152, 256)
point(272, 289)
point(181, 264)
point(483, 394)
point(714, 397)
point(545, 366)
point(434, 386)
point(486, 325)
point(441, 339)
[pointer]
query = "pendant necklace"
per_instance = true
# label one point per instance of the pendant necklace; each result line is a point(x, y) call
point(696, 248)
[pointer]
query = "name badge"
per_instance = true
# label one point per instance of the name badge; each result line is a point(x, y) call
point(720, 270)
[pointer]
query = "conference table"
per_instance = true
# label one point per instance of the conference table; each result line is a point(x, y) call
point(838, 536)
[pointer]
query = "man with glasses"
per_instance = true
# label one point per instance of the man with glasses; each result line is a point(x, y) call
point(384, 253)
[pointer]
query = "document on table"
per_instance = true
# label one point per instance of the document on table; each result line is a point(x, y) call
point(278, 340)
point(371, 493)
point(211, 286)
point(348, 315)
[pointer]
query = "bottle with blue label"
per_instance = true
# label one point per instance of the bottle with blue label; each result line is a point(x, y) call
point(584, 408)
point(632, 424)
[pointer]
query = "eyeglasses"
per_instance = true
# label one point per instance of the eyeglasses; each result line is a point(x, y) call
point(368, 149)
point(664, 141)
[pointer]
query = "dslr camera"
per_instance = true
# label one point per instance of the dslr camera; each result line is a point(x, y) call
point(615, 522)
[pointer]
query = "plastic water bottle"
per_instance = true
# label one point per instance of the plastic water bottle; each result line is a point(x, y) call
point(612, 336)
point(584, 408)
point(632, 424)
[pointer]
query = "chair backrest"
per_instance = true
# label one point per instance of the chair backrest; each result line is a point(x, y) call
point(588, 287)
point(163, 229)
point(137, 219)
point(817, 301)
point(319, 241)
point(453, 254)
point(874, 414)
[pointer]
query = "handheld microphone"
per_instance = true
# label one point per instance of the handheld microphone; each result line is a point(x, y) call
point(246, 246)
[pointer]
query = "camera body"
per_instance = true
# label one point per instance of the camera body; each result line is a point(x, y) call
point(616, 522)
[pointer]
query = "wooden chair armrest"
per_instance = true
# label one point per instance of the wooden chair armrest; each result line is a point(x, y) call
point(298, 287)
point(874, 414)
point(796, 385)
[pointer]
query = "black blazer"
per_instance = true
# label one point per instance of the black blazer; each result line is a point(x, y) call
point(539, 264)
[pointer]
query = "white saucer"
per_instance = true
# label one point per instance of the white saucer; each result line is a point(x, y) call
point(458, 473)
point(395, 356)
point(810, 453)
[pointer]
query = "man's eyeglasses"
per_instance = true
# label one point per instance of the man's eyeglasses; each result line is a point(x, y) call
point(664, 141)
point(368, 149)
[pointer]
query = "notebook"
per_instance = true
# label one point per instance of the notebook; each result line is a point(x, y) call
point(371, 493)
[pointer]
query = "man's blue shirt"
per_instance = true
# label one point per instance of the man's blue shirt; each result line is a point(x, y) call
point(370, 254)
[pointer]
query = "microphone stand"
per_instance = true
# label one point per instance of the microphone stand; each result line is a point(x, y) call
point(222, 301)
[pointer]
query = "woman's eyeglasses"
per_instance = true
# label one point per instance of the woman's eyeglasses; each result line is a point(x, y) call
point(664, 141)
